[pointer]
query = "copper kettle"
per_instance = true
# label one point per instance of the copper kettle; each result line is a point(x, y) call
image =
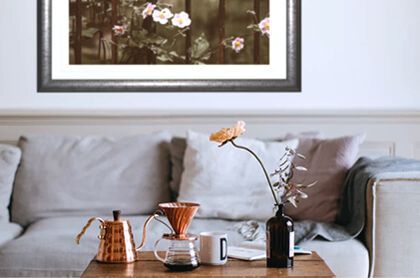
point(116, 238)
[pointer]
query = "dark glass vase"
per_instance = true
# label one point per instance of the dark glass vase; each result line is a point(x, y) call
point(280, 240)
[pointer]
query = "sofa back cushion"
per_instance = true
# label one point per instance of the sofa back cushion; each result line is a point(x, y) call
point(228, 182)
point(9, 161)
point(90, 176)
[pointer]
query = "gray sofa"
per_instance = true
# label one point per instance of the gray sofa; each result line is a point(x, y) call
point(57, 189)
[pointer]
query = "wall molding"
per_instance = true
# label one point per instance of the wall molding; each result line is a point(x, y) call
point(388, 132)
point(390, 114)
point(274, 115)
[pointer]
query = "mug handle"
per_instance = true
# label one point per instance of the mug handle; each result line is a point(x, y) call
point(156, 252)
point(223, 255)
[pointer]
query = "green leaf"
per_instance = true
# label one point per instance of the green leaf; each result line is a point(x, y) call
point(199, 48)
point(90, 33)
point(155, 39)
point(174, 54)
point(164, 58)
point(254, 27)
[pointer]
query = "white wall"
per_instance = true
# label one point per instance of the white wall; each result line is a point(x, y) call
point(357, 54)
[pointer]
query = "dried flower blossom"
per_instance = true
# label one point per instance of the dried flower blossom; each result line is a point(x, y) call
point(181, 20)
point(162, 16)
point(226, 134)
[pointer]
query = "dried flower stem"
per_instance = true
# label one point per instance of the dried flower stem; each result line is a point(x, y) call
point(262, 166)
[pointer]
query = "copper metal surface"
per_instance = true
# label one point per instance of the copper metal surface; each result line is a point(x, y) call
point(118, 244)
point(179, 215)
point(190, 237)
point(116, 240)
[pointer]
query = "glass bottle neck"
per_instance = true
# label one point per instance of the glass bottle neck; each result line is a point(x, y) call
point(280, 210)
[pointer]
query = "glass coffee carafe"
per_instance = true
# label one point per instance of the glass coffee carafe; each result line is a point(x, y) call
point(181, 254)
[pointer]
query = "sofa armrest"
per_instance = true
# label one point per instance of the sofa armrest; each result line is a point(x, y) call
point(8, 232)
point(393, 224)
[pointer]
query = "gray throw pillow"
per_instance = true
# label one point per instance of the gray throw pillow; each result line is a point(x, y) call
point(328, 162)
point(9, 161)
point(90, 176)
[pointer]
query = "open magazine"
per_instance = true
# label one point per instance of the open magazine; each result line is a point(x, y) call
point(252, 251)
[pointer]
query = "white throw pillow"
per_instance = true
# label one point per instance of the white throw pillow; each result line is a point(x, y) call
point(228, 182)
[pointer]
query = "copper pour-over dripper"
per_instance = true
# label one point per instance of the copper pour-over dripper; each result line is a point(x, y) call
point(179, 216)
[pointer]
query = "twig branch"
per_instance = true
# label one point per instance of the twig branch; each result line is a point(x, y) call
point(262, 166)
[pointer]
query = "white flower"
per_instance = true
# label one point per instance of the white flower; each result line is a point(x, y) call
point(238, 44)
point(162, 16)
point(148, 10)
point(264, 26)
point(119, 30)
point(181, 20)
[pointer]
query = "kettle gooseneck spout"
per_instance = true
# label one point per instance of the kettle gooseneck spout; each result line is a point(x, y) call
point(154, 216)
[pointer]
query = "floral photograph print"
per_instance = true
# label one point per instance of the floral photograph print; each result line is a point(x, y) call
point(169, 32)
point(169, 46)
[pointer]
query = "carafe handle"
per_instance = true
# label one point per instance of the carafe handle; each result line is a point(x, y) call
point(156, 252)
point(101, 235)
point(155, 216)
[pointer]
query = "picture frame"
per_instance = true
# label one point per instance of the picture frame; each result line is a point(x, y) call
point(47, 82)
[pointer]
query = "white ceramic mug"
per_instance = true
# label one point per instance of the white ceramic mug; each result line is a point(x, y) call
point(213, 248)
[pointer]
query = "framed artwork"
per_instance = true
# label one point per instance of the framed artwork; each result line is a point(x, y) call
point(169, 45)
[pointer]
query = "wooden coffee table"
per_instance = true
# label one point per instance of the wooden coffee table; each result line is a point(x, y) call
point(148, 266)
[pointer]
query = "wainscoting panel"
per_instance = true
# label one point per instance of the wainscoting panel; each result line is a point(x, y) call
point(389, 133)
point(417, 150)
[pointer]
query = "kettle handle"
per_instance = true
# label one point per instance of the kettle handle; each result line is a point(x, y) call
point(79, 236)
point(154, 216)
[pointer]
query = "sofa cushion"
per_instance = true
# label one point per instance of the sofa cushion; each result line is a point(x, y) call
point(328, 162)
point(228, 182)
point(66, 175)
point(348, 258)
point(8, 232)
point(9, 161)
point(48, 248)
